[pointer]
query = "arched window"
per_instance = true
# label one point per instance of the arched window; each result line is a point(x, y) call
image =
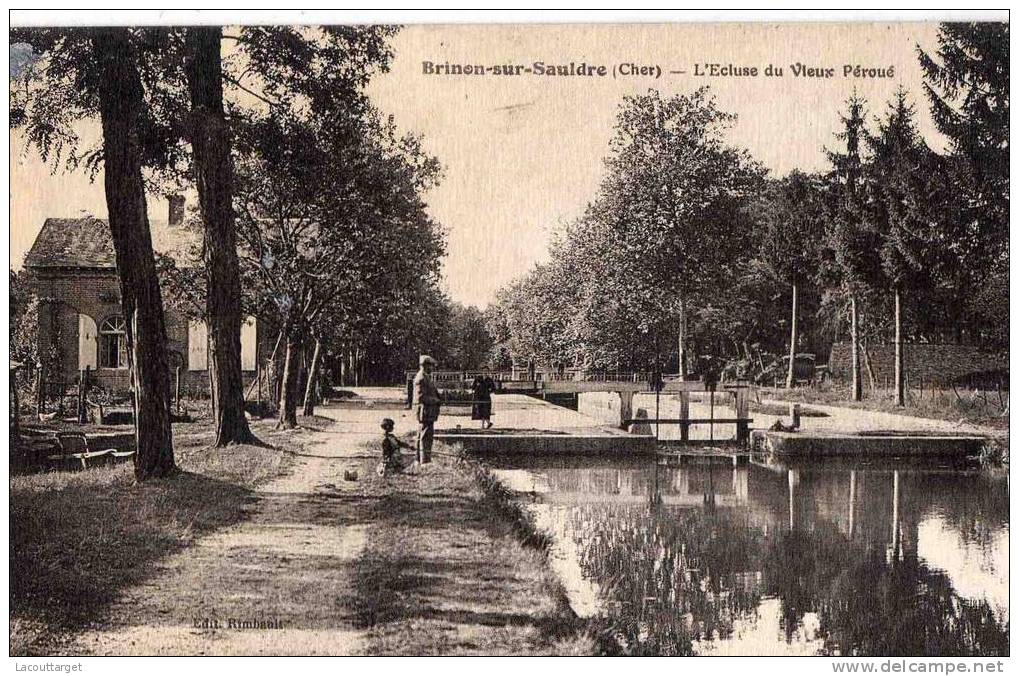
point(113, 344)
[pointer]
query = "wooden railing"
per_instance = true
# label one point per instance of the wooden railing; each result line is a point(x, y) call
point(543, 375)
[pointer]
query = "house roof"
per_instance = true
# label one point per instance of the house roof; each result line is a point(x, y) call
point(72, 242)
point(86, 243)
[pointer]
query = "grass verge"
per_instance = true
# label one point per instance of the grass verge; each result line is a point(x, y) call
point(78, 537)
point(453, 566)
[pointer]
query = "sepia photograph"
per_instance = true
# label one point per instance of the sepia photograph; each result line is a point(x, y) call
point(442, 335)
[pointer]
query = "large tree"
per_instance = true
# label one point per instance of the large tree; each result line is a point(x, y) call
point(851, 239)
point(332, 225)
point(654, 252)
point(677, 191)
point(469, 338)
point(83, 74)
point(967, 84)
point(321, 181)
point(120, 106)
point(905, 205)
point(791, 227)
point(213, 177)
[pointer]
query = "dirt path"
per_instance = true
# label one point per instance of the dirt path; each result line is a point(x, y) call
point(416, 563)
point(282, 581)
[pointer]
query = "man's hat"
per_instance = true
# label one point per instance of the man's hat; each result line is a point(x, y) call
point(387, 422)
point(425, 359)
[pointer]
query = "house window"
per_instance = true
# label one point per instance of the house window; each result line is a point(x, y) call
point(113, 344)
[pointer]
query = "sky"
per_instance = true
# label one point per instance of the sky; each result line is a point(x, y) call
point(522, 154)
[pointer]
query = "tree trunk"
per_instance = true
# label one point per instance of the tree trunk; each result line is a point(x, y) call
point(309, 391)
point(213, 172)
point(288, 385)
point(302, 373)
point(16, 419)
point(792, 346)
point(854, 329)
point(682, 338)
point(120, 104)
point(900, 372)
point(871, 375)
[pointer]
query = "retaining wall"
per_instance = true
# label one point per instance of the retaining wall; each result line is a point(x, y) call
point(551, 444)
point(780, 444)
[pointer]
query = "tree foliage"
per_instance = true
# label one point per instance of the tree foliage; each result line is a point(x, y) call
point(664, 231)
point(682, 215)
point(24, 309)
point(967, 84)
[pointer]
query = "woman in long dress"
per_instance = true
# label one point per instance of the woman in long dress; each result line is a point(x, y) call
point(482, 394)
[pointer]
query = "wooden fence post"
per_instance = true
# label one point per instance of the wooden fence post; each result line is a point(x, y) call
point(176, 389)
point(794, 415)
point(84, 382)
point(684, 415)
point(258, 380)
point(80, 404)
point(625, 409)
point(40, 391)
point(742, 414)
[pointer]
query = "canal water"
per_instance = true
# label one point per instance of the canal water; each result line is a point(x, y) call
point(708, 558)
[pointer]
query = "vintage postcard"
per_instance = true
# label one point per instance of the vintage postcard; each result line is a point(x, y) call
point(401, 338)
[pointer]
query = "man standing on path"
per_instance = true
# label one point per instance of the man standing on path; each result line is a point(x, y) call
point(426, 401)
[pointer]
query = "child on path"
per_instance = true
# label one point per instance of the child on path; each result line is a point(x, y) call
point(391, 445)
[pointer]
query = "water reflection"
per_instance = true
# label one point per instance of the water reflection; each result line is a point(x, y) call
point(712, 558)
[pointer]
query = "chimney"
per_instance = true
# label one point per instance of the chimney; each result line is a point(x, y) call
point(176, 214)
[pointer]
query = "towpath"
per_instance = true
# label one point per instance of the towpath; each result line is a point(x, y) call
point(326, 564)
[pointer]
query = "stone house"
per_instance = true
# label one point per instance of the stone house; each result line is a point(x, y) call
point(72, 269)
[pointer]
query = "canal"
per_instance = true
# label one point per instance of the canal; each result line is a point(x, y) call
point(703, 557)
